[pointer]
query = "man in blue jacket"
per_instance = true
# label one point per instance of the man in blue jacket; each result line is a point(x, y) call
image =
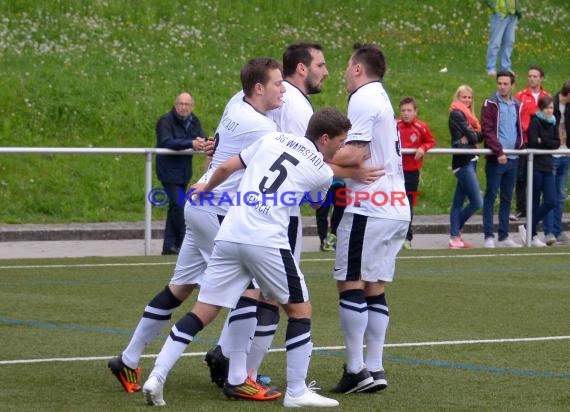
point(178, 129)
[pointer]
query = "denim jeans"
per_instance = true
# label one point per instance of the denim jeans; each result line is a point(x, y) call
point(501, 38)
point(467, 188)
point(553, 219)
point(504, 177)
point(542, 184)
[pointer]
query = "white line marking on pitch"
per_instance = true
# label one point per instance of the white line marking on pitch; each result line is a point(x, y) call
point(88, 265)
point(95, 265)
point(322, 348)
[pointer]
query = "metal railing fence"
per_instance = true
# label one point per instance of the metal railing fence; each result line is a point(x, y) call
point(148, 153)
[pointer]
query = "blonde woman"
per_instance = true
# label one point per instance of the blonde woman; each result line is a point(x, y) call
point(465, 134)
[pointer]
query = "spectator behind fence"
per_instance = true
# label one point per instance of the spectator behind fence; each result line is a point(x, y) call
point(178, 129)
point(414, 134)
point(465, 132)
point(503, 26)
point(553, 221)
point(542, 134)
point(528, 97)
point(501, 127)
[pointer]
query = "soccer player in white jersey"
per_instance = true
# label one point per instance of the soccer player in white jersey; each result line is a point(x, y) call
point(253, 243)
point(304, 71)
point(243, 122)
point(374, 224)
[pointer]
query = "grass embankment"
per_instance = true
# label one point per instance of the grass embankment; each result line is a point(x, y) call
point(99, 74)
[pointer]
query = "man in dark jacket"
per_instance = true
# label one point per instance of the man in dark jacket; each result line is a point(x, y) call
point(502, 129)
point(178, 129)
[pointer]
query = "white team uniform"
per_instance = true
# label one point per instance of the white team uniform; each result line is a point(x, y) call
point(293, 117)
point(252, 240)
point(372, 231)
point(240, 126)
point(294, 114)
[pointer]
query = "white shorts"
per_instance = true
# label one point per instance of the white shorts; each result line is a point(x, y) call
point(232, 266)
point(201, 229)
point(367, 247)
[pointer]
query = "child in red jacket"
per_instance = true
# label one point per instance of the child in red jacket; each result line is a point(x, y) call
point(414, 134)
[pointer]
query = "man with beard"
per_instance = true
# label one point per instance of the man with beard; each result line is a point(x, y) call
point(304, 71)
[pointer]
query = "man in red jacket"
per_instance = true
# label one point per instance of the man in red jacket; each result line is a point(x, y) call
point(528, 97)
point(414, 134)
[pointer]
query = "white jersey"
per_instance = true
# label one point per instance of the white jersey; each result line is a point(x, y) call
point(241, 125)
point(373, 121)
point(280, 169)
point(236, 98)
point(294, 114)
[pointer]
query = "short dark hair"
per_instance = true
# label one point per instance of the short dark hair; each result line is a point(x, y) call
point(327, 120)
point(544, 101)
point(506, 73)
point(298, 53)
point(408, 100)
point(256, 71)
point(538, 69)
point(371, 57)
point(565, 91)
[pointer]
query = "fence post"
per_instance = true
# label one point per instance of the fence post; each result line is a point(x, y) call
point(147, 204)
point(529, 188)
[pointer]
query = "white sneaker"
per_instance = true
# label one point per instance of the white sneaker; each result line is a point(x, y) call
point(152, 390)
point(562, 239)
point(536, 242)
point(508, 242)
point(309, 399)
point(489, 243)
point(522, 234)
point(550, 239)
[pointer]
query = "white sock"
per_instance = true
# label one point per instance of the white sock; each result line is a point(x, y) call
point(155, 317)
point(267, 322)
point(241, 328)
point(169, 354)
point(224, 337)
point(181, 334)
point(299, 348)
point(145, 332)
point(378, 319)
point(353, 320)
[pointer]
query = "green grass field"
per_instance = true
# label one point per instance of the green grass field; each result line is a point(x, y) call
point(100, 73)
point(473, 330)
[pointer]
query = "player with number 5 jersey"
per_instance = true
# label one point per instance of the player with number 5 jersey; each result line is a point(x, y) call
point(253, 244)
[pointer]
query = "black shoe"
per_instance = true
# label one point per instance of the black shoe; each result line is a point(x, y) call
point(380, 382)
point(360, 382)
point(218, 364)
point(128, 377)
point(170, 251)
point(520, 215)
